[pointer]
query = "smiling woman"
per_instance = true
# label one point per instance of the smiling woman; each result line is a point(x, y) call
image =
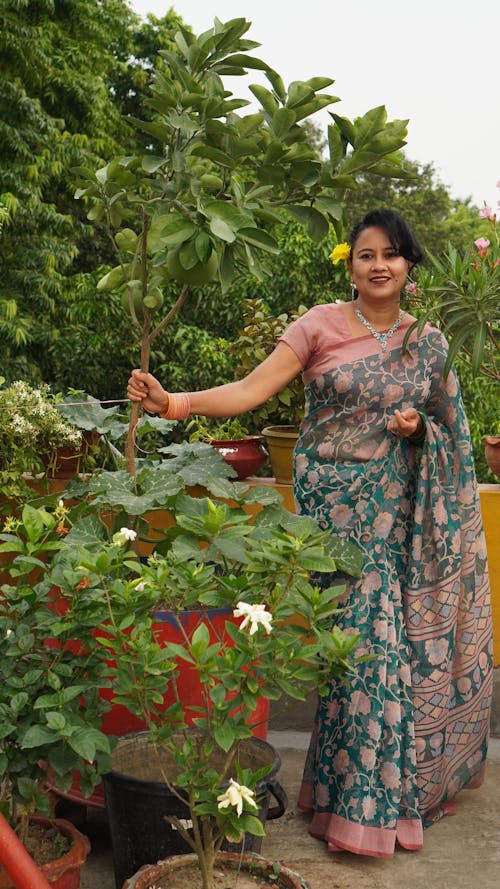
point(383, 459)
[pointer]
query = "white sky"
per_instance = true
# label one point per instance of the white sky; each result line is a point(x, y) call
point(432, 61)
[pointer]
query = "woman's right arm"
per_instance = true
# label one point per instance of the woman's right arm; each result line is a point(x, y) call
point(268, 378)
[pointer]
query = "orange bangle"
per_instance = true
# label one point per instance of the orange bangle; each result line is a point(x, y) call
point(178, 406)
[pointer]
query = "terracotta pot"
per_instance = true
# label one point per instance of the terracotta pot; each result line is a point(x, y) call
point(492, 452)
point(254, 864)
point(64, 872)
point(281, 443)
point(245, 455)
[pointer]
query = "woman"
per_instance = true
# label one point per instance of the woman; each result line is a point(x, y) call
point(384, 459)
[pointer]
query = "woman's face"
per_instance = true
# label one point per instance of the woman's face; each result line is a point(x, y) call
point(376, 268)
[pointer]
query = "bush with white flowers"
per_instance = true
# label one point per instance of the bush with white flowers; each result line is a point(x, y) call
point(280, 637)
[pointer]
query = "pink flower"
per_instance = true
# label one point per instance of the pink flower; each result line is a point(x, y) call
point(411, 287)
point(390, 775)
point(380, 628)
point(369, 807)
point(340, 762)
point(372, 581)
point(368, 757)
point(332, 709)
point(392, 712)
point(486, 213)
point(360, 703)
point(498, 184)
point(341, 515)
point(481, 244)
point(343, 381)
point(392, 393)
point(383, 524)
point(374, 730)
point(439, 512)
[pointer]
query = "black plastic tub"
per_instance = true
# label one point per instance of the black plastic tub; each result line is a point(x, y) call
point(137, 801)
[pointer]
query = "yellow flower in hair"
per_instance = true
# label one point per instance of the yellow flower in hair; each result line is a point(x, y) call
point(341, 251)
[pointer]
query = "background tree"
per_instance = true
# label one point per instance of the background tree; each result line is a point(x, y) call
point(58, 62)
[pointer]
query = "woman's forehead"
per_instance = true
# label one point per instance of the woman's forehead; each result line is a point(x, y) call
point(374, 236)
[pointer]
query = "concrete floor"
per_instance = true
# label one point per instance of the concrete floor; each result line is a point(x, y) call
point(460, 852)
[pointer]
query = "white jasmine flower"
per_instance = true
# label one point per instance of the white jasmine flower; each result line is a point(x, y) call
point(235, 795)
point(123, 535)
point(253, 615)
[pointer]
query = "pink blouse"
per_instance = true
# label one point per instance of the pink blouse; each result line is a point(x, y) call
point(322, 340)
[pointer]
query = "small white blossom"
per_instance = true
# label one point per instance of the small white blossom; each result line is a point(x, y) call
point(123, 535)
point(253, 615)
point(140, 586)
point(235, 795)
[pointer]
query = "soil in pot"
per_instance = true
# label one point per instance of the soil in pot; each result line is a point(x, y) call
point(231, 872)
point(58, 848)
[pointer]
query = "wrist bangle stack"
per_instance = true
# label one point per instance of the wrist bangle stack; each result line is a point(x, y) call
point(418, 438)
point(178, 406)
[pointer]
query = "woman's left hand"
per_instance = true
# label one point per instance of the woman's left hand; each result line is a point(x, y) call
point(405, 423)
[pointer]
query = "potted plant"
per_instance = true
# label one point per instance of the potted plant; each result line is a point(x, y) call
point(245, 453)
point(278, 639)
point(50, 711)
point(279, 418)
point(32, 430)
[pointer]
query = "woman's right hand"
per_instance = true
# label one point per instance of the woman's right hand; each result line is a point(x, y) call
point(146, 389)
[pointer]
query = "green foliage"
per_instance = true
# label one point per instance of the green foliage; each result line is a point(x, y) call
point(218, 179)
point(278, 640)
point(58, 62)
point(256, 341)
point(461, 295)
point(50, 710)
point(480, 396)
point(203, 429)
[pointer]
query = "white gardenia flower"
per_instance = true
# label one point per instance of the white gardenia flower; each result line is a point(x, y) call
point(235, 795)
point(253, 615)
point(123, 535)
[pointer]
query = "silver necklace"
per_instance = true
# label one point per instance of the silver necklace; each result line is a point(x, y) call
point(381, 337)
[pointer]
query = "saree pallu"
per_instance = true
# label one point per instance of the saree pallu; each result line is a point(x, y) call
point(391, 748)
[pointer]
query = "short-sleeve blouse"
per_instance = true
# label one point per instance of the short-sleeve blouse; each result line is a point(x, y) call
point(323, 340)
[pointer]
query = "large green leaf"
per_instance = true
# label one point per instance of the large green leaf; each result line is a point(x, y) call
point(259, 238)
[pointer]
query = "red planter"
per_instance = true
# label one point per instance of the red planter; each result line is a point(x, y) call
point(245, 455)
point(64, 872)
point(492, 452)
point(118, 721)
point(260, 867)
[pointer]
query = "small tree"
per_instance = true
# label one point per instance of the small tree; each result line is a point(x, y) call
point(202, 203)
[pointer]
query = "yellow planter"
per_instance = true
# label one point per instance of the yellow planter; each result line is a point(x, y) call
point(490, 511)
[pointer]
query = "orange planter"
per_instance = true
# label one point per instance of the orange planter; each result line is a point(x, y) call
point(62, 873)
